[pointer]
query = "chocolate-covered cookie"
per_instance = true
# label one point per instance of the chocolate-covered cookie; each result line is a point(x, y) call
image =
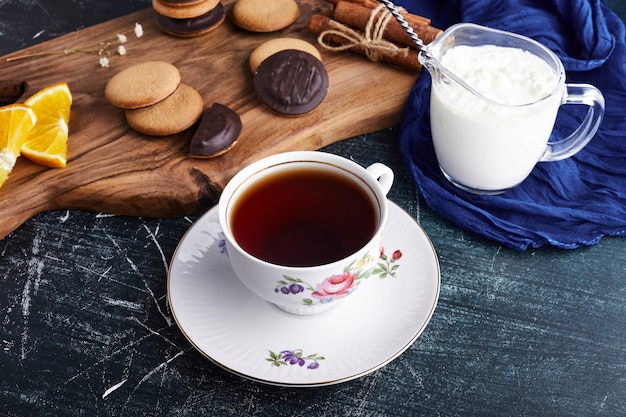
point(291, 82)
point(195, 26)
point(218, 131)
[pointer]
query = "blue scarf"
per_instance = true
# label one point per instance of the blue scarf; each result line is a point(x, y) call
point(569, 203)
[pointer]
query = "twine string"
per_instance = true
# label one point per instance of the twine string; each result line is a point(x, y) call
point(371, 40)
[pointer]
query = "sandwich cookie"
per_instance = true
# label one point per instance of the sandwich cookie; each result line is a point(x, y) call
point(180, 3)
point(193, 26)
point(184, 10)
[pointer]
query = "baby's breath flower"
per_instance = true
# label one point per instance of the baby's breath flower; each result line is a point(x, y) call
point(103, 49)
point(138, 30)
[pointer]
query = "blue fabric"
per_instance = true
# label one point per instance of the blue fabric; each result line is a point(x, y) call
point(569, 203)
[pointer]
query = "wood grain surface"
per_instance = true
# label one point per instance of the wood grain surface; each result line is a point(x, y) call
point(113, 169)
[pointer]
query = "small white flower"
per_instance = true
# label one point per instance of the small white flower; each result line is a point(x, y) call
point(138, 30)
point(104, 52)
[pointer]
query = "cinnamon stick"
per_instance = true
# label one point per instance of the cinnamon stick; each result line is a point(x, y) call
point(358, 16)
point(405, 58)
point(412, 19)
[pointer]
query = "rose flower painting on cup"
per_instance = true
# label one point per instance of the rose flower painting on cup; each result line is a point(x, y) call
point(342, 284)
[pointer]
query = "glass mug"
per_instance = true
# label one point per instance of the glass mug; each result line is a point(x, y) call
point(487, 147)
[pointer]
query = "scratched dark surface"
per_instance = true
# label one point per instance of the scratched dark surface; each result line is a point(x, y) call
point(85, 328)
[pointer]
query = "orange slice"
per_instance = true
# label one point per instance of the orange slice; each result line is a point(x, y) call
point(16, 124)
point(47, 143)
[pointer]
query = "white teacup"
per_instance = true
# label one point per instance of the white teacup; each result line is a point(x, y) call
point(490, 131)
point(303, 229)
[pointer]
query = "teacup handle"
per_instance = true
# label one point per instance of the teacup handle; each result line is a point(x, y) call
point(578, 94)
point(383, 174)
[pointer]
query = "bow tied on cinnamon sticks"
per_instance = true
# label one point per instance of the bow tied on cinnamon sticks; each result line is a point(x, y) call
point(366, 27)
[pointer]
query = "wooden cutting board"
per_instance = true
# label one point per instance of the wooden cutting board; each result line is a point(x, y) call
point(113, 169)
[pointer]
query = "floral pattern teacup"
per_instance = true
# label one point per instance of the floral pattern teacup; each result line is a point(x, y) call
point(308, 290)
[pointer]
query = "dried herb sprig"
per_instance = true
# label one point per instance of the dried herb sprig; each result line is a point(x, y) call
point(103, 49)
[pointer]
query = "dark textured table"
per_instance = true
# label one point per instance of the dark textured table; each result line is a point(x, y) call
point(86, 330)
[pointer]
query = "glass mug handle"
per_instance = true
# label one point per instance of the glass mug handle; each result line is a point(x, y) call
point(383, 174)
point(578, 94)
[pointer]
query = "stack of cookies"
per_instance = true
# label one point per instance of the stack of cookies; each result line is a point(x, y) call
point(188, 18)
point(155, 101)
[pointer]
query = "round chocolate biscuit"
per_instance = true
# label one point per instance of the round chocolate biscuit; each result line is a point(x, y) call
point(194, 26)
point(184, 10)
point(218, 131)
point(270, 47)
point(142, 84)
point(291, 82)
point(173, 115)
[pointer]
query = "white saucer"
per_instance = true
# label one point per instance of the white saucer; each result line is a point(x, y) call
point(249, 336)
